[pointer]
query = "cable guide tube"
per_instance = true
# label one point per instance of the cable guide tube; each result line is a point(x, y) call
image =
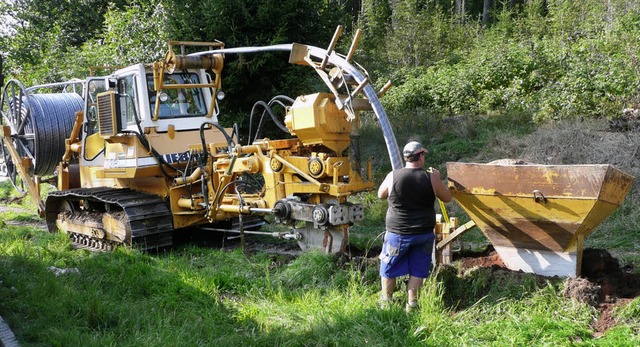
point(340, 62)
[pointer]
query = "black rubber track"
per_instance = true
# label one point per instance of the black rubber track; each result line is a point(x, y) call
point(148, 216)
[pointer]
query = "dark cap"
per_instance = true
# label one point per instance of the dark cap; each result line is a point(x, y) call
point(413, 148)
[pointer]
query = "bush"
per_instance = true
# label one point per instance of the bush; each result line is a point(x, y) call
point(558, 65)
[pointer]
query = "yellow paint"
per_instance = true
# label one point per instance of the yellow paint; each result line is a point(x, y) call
point(549, 176)
point(560, 224)
point(315, 119)
point(482, 191)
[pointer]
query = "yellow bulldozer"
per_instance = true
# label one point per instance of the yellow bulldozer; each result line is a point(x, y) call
point(138, 154)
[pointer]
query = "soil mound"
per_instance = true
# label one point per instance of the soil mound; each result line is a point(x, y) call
point(599, 267)
point(603, 284)
point(486, 260)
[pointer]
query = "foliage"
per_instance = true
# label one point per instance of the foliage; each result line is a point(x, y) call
point(250, 78)
point(6, 190)
point(47, 46)
point(135, 34)
point(375, 21)
point(553, 60)
point(43, 34)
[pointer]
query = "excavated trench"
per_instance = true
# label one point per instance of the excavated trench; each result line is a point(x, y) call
point(603, 284)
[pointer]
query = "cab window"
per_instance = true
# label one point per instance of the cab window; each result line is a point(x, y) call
point(177, 102)
point(96, 86)
point(128, 100)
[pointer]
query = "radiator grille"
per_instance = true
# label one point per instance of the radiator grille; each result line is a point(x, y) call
point(107, 123)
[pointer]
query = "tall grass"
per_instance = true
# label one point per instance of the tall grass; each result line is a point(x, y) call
point(194, 296)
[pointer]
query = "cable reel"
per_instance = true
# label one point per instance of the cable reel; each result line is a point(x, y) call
point(39, 126)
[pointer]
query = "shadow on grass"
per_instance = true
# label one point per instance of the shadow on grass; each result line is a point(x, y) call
point(127, 298)
point(118, 299)
point(464, 288)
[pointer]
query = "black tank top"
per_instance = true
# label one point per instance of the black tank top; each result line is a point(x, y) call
point(411, 202)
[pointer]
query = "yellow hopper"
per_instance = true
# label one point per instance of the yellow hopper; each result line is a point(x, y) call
point(537, 216)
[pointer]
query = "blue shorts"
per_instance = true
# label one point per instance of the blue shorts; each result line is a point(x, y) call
point(406, 255)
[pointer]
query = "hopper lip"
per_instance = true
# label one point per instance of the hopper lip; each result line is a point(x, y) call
point(605, 172)
point(533, 164)
point(541, 165)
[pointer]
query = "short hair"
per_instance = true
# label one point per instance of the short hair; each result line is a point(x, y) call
point(412, 158)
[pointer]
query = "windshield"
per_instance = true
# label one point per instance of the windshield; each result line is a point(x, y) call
point(178, 102)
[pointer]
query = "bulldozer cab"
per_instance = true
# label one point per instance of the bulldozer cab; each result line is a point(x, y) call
point(134, 101)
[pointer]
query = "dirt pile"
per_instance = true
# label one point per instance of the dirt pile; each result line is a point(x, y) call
point(603, 284)
point(582, 290)
point(617, 286)
point(600, 267)
point(490, 259)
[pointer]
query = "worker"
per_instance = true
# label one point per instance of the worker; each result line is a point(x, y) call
point(410, 222)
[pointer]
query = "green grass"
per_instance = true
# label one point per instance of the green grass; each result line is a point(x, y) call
point(192, 296)
point(6, 190)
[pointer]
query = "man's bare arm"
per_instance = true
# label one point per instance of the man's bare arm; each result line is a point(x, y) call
point(383, 191)
point(441, 191)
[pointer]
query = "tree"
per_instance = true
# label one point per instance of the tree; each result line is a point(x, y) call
point(53, 39)
point(257, 77)
point(485, 12)
point(42, 32)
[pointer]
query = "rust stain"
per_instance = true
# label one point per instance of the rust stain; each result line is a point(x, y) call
point(499, 198)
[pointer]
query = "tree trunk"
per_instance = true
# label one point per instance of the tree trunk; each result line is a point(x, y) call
point(461, 10)
point(485, 12)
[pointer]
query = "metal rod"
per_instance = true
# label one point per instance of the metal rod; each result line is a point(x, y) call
point(261, 210)
point(332, 46)
point(32, 189)
point(274, 234)
point(1, 74)
point(393, 150)
point(354, 44)
point(197, 43)
point(58, 84)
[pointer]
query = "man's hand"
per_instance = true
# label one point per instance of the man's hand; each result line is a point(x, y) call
point(434, 173)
